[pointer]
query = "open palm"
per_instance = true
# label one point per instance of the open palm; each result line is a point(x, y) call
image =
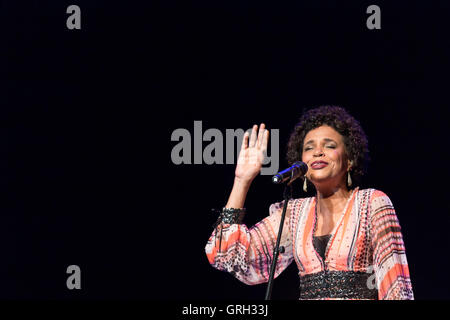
point(252, 152)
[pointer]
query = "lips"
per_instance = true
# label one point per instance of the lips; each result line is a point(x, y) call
point(319, 164)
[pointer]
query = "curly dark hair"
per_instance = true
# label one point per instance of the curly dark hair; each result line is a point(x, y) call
point(355, 140)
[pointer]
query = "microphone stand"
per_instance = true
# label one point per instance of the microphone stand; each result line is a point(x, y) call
point(287, 193)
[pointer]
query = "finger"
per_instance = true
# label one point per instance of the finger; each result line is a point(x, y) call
point(253, 136)
point(265, 140)
point(245, 141)
point(260, 135)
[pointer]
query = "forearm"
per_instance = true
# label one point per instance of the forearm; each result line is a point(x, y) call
point(238, 193)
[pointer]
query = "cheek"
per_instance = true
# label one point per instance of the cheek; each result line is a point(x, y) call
point(305, 157)
point(333, 155)
point(337, 156)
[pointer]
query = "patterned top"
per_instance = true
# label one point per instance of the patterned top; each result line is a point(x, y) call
point(366, 240)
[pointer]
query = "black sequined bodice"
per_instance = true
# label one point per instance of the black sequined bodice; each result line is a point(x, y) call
point(320, 244)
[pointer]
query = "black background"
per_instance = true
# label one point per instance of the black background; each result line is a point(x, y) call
point(87, 117)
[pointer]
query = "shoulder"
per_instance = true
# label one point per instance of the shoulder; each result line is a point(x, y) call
point(374, 195)
point(299, 202)
point(293, 203)
point(379, 203)
point(374, 199)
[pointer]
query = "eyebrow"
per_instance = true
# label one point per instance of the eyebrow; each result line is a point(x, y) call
point(326, 140)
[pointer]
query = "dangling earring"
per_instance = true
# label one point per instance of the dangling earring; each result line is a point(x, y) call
point(305, 185)
point(349, 179)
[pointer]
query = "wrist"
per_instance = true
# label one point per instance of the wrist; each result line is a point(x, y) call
point(242, 182)
point(238, 193)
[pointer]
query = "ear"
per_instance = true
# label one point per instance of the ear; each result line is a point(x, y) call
point(350, 165)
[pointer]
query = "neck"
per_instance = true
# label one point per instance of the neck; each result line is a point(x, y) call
point(332, 200)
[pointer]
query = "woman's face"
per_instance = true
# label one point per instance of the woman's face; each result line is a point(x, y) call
point(324, 153)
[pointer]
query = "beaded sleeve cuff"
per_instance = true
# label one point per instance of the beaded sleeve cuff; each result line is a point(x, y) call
point(232, 215)
point(228, 216)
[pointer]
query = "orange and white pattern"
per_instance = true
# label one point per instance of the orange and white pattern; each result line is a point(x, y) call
point(367, 238)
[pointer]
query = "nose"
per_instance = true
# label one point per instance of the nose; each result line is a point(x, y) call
point(318, 152)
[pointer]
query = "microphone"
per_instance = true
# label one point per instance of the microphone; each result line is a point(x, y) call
point(297, 170)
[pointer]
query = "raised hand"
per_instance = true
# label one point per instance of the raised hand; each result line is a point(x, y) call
point(251, 155)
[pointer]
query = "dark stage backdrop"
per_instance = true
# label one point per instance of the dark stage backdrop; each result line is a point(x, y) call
point(87, 116)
